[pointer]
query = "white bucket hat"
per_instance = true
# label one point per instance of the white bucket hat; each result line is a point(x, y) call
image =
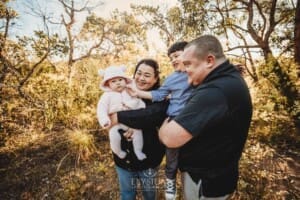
point(112, 72)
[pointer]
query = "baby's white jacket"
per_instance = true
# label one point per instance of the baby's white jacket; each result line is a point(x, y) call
point(111, 102)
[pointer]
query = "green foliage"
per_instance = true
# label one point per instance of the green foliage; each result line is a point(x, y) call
point(177, 23)
point(40, 43)
point(284, 77)
point(18, 61)
point(70, 106)
point(4, 8)
point(271, 115)
point(115, 34)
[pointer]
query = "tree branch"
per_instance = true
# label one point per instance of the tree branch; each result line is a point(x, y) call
point(24, 80)
point(272, 22)
point(243, 46)
point(251, 30)
point(262, 15)
point(88, 54)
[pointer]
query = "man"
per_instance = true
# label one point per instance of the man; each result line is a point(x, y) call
point(212, 128)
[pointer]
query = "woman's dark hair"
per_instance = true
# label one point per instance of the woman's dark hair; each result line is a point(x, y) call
point(152, 63)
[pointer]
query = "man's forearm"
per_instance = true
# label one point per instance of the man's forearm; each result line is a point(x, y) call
point(173, 135)
point(114, 119)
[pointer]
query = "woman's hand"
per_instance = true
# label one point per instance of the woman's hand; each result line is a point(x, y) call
point(114, 120)
point(128, 134)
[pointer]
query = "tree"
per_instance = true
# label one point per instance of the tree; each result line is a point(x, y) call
point(262, 20)
point(253, 27)
point(21, 59)
point(173, 24)
point(297, 33)
point(118, 33)
point(260, 25)
point(98, 35)
point(6, 16)
point(71, 8)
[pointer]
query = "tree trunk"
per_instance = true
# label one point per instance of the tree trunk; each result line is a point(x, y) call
point(297, 33)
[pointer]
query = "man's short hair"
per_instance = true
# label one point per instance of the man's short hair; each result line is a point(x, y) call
point(177, 46)
point(207, 44)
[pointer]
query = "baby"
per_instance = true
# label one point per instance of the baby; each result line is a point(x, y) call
point(115, 98)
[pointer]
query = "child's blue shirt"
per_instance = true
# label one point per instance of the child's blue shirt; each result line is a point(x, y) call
point(177, 86)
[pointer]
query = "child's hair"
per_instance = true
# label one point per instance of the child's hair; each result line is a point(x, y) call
point(177, 46)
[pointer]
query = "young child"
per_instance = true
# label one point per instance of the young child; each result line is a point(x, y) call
point(176, 85)
point(115, 98)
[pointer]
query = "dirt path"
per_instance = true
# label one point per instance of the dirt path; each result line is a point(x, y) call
point(40, 166)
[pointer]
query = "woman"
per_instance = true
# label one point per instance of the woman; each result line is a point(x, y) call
point(130, 170)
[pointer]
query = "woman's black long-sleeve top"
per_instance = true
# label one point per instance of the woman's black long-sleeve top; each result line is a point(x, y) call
point(148, 120)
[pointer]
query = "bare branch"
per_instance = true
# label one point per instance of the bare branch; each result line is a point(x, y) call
point(35, 9)
point(7, 17)
point(262, 15)
point(285, 50)
point(66, 7)
point(223, 18)
point(243, 46)
point(240, 28)
point(3, 39)
point(6, 63)
point(89, 53)
point(85, 7)
point(272, 22)
point(248, 55)
point(251, 30)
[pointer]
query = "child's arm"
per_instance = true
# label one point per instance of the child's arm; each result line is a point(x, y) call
point(144, 94)
point(155, 95)
point(102, 111)
point(132, 102)
point(134, 92)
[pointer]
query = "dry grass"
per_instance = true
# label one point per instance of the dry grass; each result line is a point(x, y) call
point(30, 160)
point(81, 144)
